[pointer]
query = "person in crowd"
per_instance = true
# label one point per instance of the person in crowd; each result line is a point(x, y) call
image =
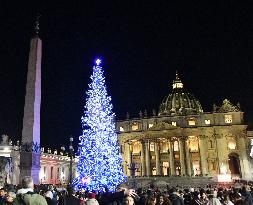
point(28, 197)
point(246, 195)
point(117, 197)
point(196, 198)
point(174, 198)
point(10, 196)
point(151, 201)
point(226, 200)
point(128, 200)
point(212, 196)
point(62, 197)
point(2, 196)
point(187, 197)
point(163, 200)
point(203, 197)
point(70, 198)
point(92, 199)
point(50, 198)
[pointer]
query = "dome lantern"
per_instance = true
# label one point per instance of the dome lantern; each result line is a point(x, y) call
point(179, 102)
point(177, 83)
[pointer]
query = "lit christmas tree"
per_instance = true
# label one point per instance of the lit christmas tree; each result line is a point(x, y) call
point(99, 164)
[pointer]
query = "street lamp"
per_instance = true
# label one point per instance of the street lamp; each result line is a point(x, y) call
point(132, 168)
point(71, 151)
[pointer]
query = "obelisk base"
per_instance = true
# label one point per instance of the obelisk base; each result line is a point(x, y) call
point(30, 166)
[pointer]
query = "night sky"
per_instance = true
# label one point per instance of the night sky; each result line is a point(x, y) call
point(141, 45)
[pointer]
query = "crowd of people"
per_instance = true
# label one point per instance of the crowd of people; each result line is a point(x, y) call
point(27, 194)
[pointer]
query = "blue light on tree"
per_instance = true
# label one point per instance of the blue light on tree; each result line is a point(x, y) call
point(99, 159)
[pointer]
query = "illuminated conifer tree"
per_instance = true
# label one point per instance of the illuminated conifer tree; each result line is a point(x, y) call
point(99, 159)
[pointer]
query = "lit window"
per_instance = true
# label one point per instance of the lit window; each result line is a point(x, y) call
point(165, 147)
point(153, 157)
point(150, 125)
point(231, 144)
point(177, 85)
point(135, 126)
point(228, 118)
point(121, 129)
point(136, 148)
point(191, 122)
point(152, 147)
point(193, 144)
point(174, 123)
point(207, 122)
point(176, 148)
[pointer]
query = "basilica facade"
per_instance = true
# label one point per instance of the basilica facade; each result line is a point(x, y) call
point(183, 140)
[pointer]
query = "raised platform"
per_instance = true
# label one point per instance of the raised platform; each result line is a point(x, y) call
point(164, 182)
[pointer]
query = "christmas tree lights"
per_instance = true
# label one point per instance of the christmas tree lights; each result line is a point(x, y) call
point(99, 159)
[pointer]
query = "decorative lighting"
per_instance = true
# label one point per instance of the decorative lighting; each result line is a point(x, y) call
point(98, 61)
point(99, 160)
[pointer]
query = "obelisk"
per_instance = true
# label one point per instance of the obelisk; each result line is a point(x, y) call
point(30, 147)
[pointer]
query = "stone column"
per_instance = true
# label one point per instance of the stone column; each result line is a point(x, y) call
point(172, 163)
point(244, 162)
point(222, 152)
point(157, 159)
point(202, 153)
point(125, 162)
point(188, 160)
point(147, 152)
point(143, 165)
point(129, 159)
point(182, 155)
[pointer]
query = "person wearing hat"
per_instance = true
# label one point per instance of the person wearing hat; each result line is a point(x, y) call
point(92, 199)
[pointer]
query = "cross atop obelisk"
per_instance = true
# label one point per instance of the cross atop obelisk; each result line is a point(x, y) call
point(30, 148)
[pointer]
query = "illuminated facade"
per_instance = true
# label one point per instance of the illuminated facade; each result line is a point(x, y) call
point(182, 140)
point(54, 166)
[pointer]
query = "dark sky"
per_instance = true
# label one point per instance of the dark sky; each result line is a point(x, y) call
point(141, 44)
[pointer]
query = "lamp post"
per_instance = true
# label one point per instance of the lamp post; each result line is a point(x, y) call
point(132, 167)
point(71, 150)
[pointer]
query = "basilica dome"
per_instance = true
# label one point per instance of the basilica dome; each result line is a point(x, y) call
point(179, 102)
